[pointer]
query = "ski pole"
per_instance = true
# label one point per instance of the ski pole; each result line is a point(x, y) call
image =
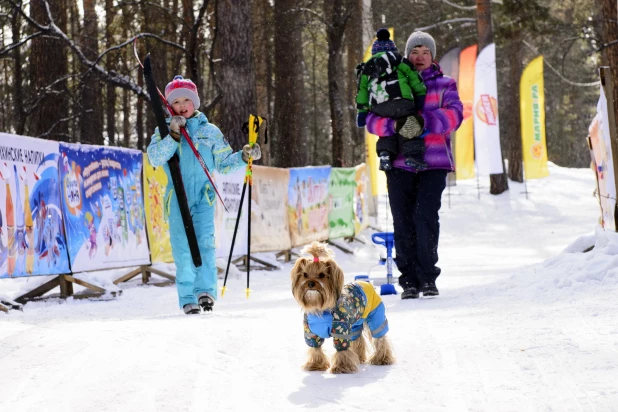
point(183, 130)
point(252, 128)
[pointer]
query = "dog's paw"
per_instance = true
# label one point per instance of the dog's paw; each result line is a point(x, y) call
point(318, 361)
point(344, 362)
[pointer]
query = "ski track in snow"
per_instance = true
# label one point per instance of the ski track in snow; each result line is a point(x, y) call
point(518, 327)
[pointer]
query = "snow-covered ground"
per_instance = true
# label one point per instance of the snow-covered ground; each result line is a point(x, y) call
point(525, 321)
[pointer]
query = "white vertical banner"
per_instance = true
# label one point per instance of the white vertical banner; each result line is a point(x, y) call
point(486, 124)
point(230, 187)
point(607, 166)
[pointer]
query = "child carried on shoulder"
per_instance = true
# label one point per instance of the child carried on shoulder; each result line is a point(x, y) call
point(390, 86)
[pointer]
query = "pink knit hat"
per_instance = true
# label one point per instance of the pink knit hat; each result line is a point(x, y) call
point(181, 87)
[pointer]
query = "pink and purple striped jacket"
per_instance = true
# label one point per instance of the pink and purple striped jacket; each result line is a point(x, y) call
point(443, 114)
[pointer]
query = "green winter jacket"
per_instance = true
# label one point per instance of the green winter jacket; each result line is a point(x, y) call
point(387, 76)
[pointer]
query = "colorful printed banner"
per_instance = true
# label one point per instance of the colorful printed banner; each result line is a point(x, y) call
point(308, 204)
point(230, 186)
point(155, 182)
point(361, 195)
point(486, 122)
point(32, 239)
point(103, 206)
point(341, 193)
point(464, 136)
point(532, 103)
point(270, 227)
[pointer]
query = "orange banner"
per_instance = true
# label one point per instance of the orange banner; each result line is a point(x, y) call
point(464, 137)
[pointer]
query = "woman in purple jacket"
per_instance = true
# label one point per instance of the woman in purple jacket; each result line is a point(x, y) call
point(415, 196)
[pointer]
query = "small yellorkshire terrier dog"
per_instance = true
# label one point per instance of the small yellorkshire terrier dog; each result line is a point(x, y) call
point(340, 311)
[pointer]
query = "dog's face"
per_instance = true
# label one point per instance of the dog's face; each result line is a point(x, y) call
point(316, 285)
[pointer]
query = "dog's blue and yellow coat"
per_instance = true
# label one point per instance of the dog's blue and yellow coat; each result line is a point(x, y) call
point(358, 303)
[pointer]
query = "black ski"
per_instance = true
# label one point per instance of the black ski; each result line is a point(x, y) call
point(173, 163)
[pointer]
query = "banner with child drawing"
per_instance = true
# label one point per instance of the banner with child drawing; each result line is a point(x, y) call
point(103, 206)
point(308, 204)
point(32, 240)
point(155, 182)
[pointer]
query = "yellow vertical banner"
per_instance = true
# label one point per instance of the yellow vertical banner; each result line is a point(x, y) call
point(532, 105)
point(378, 180)
point(464, 137)
point(155, 182)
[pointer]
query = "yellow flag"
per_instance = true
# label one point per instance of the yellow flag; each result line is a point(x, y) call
point(532, 105)
point(378, 180)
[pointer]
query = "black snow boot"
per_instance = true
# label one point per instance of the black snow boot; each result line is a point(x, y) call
point(410, 293)
point(206, 301)
point(430, 289)
point(191, 309)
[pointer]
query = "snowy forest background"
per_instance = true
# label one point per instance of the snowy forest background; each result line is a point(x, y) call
point(67, 70)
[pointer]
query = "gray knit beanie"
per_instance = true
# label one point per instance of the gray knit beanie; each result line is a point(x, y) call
point(420, 38)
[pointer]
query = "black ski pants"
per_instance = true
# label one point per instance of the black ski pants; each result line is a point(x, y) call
point(415, 200)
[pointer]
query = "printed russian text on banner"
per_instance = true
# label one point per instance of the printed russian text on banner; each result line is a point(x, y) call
point(32, 239)
point(230, 186)
point(103, 206)
point(532, 104)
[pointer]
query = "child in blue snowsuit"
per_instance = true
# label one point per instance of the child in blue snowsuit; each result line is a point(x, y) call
point(197, 286)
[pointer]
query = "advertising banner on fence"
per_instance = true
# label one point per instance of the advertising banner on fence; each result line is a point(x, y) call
point(464, 136)
point(32, 239)
point(230, 186)
point(532, 104)
point(103, 206)
point(308, 204)
point(155, 182)
point(485, 111)
point(361, 194)
point(341, 195)
point(270, 227)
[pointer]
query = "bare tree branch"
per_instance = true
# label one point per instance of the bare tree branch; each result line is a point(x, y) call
point(10, 47)
point(606, 45)
point(441, 23)
point(110, 76)
point(60, 121)
point(131, 40)
point(572, 83)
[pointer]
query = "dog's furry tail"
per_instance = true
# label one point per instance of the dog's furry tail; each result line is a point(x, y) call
point(319, 250)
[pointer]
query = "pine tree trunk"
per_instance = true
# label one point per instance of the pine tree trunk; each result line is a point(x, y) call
point(91, 130)
point(334, 11)
point(498, 183)
point(48, 61)
point(110, 103)
point(354, 45)
point(19, 118)
point(511, 107)
point(610, 33)
point(261, 24)
point(235, 72)
point(290, 149)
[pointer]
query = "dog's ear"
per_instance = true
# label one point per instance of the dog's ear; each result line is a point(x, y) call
point(336, 274)
point(300, 263)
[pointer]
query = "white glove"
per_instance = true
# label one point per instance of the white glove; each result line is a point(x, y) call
point(175, 124)
point(251, 151)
